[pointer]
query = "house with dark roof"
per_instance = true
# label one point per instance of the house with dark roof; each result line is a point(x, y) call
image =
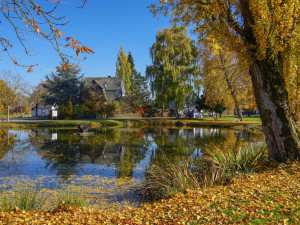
point(112, 88)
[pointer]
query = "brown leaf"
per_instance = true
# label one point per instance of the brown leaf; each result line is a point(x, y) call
point(77, 51)
point(58, 32)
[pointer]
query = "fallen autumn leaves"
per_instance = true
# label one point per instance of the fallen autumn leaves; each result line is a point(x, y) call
point(270, 197)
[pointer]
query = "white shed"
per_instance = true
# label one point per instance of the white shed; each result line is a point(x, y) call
point(42, 109)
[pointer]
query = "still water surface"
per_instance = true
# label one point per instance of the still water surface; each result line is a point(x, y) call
point(108, 164)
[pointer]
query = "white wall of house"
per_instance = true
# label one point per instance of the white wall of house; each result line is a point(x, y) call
point(40, 112)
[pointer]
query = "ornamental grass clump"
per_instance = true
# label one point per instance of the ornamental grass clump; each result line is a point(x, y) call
point(218, 165)
point(163, 181)
point(228, 162)
point(69, 199)
point(27, 199)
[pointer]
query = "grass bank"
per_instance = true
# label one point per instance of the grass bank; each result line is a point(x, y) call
point(251, 123)
point(61, 123)
point(269, 197)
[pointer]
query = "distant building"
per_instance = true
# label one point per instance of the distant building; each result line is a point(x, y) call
point(42, 109)
point(112, 88)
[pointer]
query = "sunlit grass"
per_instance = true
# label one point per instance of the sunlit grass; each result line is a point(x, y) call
point(63, 123)
point(26, 199)
point(230, 118)
point(229, 161)
point(67, 199)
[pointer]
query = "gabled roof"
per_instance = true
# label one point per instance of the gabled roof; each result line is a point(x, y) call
point(109, 83)
point(42, 105)
point(104, 92)
point(111, 86)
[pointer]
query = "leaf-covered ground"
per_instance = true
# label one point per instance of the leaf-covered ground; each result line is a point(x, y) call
point(270, 197)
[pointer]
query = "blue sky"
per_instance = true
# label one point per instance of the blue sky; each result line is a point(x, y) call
point(103, 25)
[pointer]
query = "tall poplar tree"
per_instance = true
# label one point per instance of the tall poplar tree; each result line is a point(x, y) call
point(123, 69)
point(260, 31)
point(173, 65)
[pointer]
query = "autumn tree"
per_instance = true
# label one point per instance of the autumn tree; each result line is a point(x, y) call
point(260, 31)
point(173, 65)
point(292, 77)
point(226, 80)
point(63, 86)
point(30, 18)
point(7, 97)
point(12, 90)
point(123, 69)
point(94, 102)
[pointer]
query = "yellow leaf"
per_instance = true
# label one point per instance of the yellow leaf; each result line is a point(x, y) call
point(58, 32)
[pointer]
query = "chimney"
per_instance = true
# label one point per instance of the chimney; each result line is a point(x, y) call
point(109, 76)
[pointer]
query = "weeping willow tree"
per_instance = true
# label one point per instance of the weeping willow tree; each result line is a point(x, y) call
point(173, 66)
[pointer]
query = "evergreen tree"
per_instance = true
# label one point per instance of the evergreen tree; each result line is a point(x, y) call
point(123, 69)
point(139, 83)
point(64, 86)
point(133, 72)
point(141, 88)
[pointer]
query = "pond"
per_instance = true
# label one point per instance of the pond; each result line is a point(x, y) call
point(106, 167)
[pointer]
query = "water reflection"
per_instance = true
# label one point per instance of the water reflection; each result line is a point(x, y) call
point(109, 152)
point(7, 142)
point(56, 159)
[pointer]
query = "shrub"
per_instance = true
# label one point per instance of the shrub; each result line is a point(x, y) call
point(112, 108)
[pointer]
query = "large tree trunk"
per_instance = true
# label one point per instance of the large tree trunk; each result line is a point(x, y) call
point(272, 100)
point(238, 109)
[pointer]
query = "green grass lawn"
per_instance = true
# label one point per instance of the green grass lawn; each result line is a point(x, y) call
point(62, 123)
point(231, 118)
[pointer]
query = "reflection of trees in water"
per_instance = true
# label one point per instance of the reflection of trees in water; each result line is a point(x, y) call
point(136, 144)
point(123, 149)
point(12, 151)
point(172, 144)
point(65, 154)
point(7, 142)
point(180, 144)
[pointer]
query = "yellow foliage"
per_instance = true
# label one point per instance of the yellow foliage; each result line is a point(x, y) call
point(226, 80)
point(269, 197)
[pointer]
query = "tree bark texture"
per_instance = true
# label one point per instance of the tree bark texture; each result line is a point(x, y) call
point(279, 127)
